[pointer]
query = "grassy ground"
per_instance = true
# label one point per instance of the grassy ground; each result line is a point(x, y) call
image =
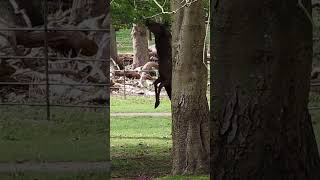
point(124, 41)
point(140, 146)
point(314, 100)
point(71, 136)
point(315, 115)
point(184, 178)
point(138, 104)
point(55, 176)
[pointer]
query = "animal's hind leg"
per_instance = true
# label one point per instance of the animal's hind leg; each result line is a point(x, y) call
point(168, 89)
point(167, 85)
point(158, 95)
point(156, 82)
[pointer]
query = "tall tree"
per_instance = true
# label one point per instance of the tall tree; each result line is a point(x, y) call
point(261, 127)
point(127, 14)
point(190, 111)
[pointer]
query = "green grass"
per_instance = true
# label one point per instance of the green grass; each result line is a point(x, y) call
point(70, 136)
point(124, 41)
point(315, 116)
point(55, 176)
point(184, 178)
point(140, 146)
point(138, 104)
point(314, 100)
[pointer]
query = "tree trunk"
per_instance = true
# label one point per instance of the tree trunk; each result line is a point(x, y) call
point(140, 45)
point(113, 47)
point(316, 36)
point(261, 127)
point(190, 111)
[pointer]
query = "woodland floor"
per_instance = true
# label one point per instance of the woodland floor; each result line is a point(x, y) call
point(156, 114)
point(54, 166)
point(138, 154)
point(140, 142)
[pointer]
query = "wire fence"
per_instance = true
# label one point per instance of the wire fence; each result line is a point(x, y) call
point(47, 58)
point(124, 94)
point(313, 84)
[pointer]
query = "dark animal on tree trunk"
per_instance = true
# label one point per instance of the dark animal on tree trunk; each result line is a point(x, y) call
point(163, 45)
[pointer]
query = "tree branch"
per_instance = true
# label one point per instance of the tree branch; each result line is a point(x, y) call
point(186, 4)
point(300, 4)
point(204, 60)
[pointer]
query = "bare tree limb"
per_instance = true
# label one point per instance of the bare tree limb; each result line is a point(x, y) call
point(185, 3)
point(300, 4)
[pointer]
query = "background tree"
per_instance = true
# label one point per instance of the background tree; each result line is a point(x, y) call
point(316, 39)
point(140, 45)
point(132, 14)
point(261, 127)
point(190, 111)
point(113, 47)
point(125, 13)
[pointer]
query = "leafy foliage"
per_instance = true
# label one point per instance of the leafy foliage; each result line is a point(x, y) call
point(126, 12)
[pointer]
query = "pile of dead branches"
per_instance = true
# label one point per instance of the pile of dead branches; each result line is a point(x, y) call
point(29, 72)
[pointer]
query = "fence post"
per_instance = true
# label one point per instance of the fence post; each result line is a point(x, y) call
point(46, 57)
point(124, 83)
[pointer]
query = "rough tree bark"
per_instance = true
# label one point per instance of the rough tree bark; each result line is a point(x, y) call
point(261, 127)
point(140, 45)
point(316, 42)
point(190, 112)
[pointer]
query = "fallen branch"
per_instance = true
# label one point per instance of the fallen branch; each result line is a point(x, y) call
point(63, 41)
point(127, 73)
